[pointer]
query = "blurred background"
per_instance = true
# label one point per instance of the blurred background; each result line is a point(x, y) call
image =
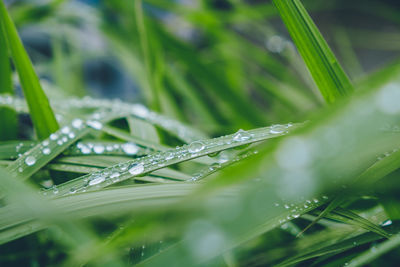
point(218, 65)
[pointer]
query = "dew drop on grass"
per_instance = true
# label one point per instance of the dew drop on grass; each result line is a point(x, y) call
point(77, 123)
point(53, 136)
point(136, 168)
point(95, 124)
point(386, 223)
point(196, 146)
point(65, 130)
point(46, 151)
point(71, 135)
point(97, 179)
point(55, 190)
point(98, 149)
point(241, 136)
point(277, 129)
point(169, 155)
point(140, 111)
point(30, 160)
point(85, 150)
point(130, 148)
point(72, 190)
point(114, 175)
point(45, 142)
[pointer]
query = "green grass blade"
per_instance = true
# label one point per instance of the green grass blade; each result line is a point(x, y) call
point(7, 116)
point(41, 113)
point(159, 160)
point(376, 252)
point(329, 76)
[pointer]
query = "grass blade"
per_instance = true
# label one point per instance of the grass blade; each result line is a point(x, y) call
point(41, 113)
point(329, 76)
point(7, 116)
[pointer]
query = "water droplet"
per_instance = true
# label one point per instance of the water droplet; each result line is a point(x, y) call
point(71, 135)
point(77, 123)
point(85, 149)
point(196, 146)
point(65, 130)
point(46, 150)
point(325, 197)
point(241, 136)
point(96, 179)
point(55, 190)
point(64, 139)
point(53, 136)
point(72, 190)
point(114, 175)
point(98, 149)
point(136, 168)
point(286, 206)
point(130, 148)
point(277, 129)
point(95, 124)
point(140, 111)
point(169, 155)
point(30, 160)
point(386, 223)
point(45, 142)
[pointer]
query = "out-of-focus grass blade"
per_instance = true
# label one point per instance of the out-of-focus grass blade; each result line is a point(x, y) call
point(41, 113)
point(350, 217)
point(7, 116)
point(329, 76)
point(376, 252)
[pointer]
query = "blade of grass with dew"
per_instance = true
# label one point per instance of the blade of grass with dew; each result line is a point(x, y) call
point(163, 159)
point(176, 128)
point(352, 218)
point(330, 78)
point(37, 157)
point(7, 115)
point(41, 113)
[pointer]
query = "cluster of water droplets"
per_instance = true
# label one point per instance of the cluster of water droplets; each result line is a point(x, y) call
point(158, 160)
point(104, 148)
point(294, 211)
point(116, 106)
point(387, 154)
point(65, 136)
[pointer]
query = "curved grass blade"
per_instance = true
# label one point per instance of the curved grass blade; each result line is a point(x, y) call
point(329, 76)
point(162, 159)
point(350, 217)
point(41, 113)
point(178, 129)
point(7, 116)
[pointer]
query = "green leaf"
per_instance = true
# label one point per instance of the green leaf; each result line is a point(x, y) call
point(329, 76)
point(7, 116)
point(41, 113)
